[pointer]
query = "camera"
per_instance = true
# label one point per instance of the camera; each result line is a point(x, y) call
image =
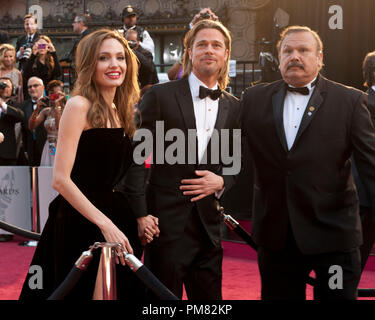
point(132, 44)
point(205, 15)
point(45, 100)
point(3, 85)
point(54, 96)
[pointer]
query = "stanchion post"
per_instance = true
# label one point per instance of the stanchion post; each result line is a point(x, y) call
point(109, 273)
point(35, 217)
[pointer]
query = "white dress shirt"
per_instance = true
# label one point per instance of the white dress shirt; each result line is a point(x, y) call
point(205, 111)
point(294, 109)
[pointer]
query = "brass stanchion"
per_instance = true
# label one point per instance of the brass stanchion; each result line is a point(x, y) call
point(105, 287)
point(109, 273)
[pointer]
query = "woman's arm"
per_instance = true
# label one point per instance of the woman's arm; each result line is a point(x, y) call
point(72, 124)
point(38, 117)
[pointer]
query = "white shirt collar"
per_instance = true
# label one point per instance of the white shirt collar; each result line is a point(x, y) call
point(373, 88)
point(307, 86)
point(195, 83)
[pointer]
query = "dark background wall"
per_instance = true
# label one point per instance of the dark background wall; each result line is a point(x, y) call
point(344, 49)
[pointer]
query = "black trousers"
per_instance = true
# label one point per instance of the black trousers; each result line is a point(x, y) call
point(284, 273)
point(192, 261)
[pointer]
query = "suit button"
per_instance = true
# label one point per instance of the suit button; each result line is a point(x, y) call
point(289, 173)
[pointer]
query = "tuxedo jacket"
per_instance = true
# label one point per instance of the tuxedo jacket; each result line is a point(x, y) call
point(22, 40)
point(363, 194)
point(7, 122)
point(33, 141)
point(172, 103)
point(309, 186)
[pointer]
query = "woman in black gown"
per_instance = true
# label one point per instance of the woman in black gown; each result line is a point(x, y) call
point(94, 152)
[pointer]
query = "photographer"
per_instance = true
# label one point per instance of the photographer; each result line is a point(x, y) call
point(49, 117)
point(43, 62)
point(129, 19)
point(25, 43)
point(10, 114)
point(147, 75)
point(205, 13)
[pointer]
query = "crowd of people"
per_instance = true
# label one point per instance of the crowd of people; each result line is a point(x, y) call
point(33, 66)
point(304, 132)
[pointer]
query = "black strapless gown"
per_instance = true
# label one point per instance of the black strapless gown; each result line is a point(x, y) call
point(103, 157)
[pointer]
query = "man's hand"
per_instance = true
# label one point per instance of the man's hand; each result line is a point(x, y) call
point(148, 228)
point(2, 107)
point(202, 187)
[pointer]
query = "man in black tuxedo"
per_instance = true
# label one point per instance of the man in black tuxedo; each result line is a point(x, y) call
point(182, 193)
point(25, 43)
point(10, 114)
point(368, 221)
point(33, 140)
point(302, 131)
point(81, 27)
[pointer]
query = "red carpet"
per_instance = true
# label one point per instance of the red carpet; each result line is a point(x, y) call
point(240, 271)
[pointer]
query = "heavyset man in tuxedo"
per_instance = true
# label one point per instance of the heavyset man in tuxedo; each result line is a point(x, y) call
point(302, 131)
point(188, 250)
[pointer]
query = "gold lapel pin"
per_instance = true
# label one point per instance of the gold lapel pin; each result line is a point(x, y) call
point(311, 109)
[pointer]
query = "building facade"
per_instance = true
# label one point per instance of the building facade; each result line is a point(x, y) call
point(166, 20)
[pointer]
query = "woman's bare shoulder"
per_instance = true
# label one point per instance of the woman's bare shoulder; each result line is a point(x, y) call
point(78, 103)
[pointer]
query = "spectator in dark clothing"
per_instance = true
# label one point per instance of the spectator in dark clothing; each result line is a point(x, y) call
point(43, 62)
point(368, 224)
point(10, 114)
point(147, 75)
point(80, 26)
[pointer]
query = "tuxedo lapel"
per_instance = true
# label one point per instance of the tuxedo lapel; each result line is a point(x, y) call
point(222, 112)
point(312, 108)
point(278, 108)
point(185, 103)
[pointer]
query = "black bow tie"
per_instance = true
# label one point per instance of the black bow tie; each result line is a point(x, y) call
point(213, 94)
point(303, 90)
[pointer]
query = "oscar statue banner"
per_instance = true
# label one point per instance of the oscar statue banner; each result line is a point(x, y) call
point(15, 197)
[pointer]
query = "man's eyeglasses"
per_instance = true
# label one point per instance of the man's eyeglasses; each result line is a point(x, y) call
point(33, 86)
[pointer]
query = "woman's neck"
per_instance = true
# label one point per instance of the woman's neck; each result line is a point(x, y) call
point(109, 95)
